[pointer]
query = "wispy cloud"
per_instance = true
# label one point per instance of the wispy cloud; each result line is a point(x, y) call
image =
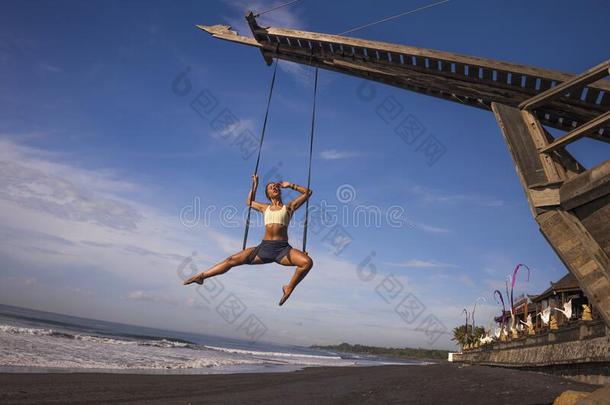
point(285, 17)
point(33, 188)
point(104, 181)
point(300, 73)
point(465, 279)
point(432, 196)
point(335, 154)
point(30, 281)
point(194, 303)
point(74, 212)
point(52, 206)
point(151, 297)
point(423, 264)
point(431, 228)
point(232, 130)
point(495, 284)
point(47, 67)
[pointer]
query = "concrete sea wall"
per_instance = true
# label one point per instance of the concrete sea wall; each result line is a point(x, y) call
point(580, 350)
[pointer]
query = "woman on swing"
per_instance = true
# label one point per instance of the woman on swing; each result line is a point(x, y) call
point(274, 247)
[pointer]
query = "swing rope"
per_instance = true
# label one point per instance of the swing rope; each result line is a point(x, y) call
point(258, 158)
point(438, 3)
point(313, 124)
point(313, 113)
point(276, 7)
point(260, 147)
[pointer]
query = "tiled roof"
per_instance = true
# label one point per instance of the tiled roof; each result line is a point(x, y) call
point(566, 283)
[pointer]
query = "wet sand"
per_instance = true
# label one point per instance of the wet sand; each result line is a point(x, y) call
point(430, 384)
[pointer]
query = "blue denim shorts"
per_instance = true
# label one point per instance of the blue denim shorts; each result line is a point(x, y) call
point(270, 251)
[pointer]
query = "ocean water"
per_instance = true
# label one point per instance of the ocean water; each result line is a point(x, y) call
point(36, 341)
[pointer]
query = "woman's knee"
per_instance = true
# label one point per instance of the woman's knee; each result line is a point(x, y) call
point(308, 262)
point(231, 261)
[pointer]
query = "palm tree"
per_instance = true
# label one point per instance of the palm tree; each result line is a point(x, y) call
point(459, 335)
point(462, 336)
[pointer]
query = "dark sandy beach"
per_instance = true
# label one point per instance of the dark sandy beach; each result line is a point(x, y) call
point(432, 384)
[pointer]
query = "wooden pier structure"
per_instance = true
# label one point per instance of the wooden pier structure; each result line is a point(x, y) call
point(570, 203)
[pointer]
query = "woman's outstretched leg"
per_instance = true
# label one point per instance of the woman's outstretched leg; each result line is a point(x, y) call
point(303, 262)
point(220, 268)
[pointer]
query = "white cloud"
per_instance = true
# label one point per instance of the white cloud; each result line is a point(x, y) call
point(102, 180)
point(30, 281)
point(30, 187)
point(423, 264)
point(495, 284)
point(75, 227)
point(302, 74)
point(285, 17)
point(465, 279)
point(335, 154)
point(54, 213)
point(428, 195)
point(152, 297)
point(231, 131)
point(431, 228)
point(47, 67)
point(196, 303)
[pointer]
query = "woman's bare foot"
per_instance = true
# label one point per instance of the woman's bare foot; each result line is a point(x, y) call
point(197, 278)
point(287, 291)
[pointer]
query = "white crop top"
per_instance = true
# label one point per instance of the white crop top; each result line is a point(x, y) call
point(281, 216)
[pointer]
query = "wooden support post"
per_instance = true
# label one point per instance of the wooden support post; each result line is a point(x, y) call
point(541, 190)
point(579, 250)
point(553, 173)
point(581, 254)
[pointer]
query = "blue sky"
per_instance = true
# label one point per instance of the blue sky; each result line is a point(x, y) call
point(99, 156)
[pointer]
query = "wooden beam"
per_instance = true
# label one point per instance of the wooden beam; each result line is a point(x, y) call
point(577, 82)
point(545, 196)
point(557, 114)
point(450, 57)
point(540, 139)
point(221, 31)
point(523, 151)
point(471, 83)
point(432, 82)
point(579, 132)
point(565, 162)
point(586, 187)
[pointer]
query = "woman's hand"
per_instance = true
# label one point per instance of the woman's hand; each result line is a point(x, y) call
point(285, 184)
point(250, 199)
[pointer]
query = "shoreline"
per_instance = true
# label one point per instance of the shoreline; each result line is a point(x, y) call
point(222, 370)
point(403, 353)
point(435, 383)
